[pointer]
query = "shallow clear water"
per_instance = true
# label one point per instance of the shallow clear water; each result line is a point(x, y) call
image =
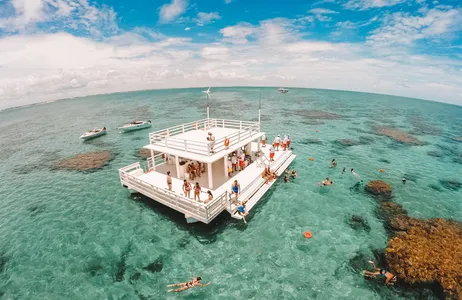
point(80, 235)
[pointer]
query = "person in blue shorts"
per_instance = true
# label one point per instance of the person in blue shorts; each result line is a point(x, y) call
point(242, 211)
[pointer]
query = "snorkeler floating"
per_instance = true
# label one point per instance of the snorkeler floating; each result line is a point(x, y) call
point(390, 279)
point(196, 281)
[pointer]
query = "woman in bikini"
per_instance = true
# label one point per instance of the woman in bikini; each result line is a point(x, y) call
point(187, 188)
point(209, 197)
point(169, 181)
point(197, 192)
point(196, 281)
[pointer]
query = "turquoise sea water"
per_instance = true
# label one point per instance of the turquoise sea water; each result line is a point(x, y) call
point(80, 235)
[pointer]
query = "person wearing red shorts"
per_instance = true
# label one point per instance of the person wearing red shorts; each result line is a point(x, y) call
point(276, 142)
point(271, 150)
point(288, 142)
point(242, 162)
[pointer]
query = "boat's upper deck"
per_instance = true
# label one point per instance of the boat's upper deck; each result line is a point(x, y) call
point(190, 140)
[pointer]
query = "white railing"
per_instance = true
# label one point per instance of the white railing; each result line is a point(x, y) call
point(199, 211)
point(166, 137)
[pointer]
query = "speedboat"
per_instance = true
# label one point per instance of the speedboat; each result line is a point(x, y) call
point(93, 133)
point(282, 90)
point(136, 125)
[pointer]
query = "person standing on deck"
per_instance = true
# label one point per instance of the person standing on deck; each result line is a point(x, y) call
point(284, 143)
point(236, 189)
point(187, 189)
point(271, 151)
point(169, 181)
point(234, 162)
point(197, 192)
point(276, 142)
point(242, 162)
point(263, 141)
point(211, 139)
point(288, 142)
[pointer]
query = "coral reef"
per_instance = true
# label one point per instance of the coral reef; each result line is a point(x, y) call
point(426, 252)
point(451, 184)
point(398, 135)
point(378, 187)
point(86, 161)
point(310, 141)
point(434, 153)
point(318, 114)
point(347, 142)
point(358, 223)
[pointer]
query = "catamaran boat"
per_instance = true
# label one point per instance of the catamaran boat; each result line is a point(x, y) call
point(283, 91)
point(136, 125)
point(180, 149)
point(93, 133)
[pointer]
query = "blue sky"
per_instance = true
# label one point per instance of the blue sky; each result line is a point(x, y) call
point(52, 49)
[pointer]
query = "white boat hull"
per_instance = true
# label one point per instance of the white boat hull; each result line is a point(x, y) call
point(135, 127)
point(87, 137)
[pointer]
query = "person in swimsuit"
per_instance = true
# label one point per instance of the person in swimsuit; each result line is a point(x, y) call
point(187, 285)
point(187, 188)
point(197, 168)
point(333, 164)
point(169, 181)
point(286, 178)
point(327, 182)
point(293, 174)
point(288, 142)
point(191, 172)
point(353, 172)
point(403, 180)
point(235, 189)
point(242, 211)
point(284, 143)
point(197, 192)
point(390, 279)
point(271, 153)
point(344, 170)
point(209, 197)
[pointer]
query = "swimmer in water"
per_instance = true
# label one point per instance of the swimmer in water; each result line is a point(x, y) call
point(403, 180)
point(390, 279)
point(286, 178)
point(333, 164)
point(344, 170)
point(196, 281)
point(327, 182)
point(354, 173)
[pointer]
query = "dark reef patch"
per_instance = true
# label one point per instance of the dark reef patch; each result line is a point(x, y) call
point(309, 141)
point(451, 184)
point(3, 261)
point(36, 209)
point(312, 122)
point(86, 161)
point(434, 153)
point(385, 161)
point(358, 223)
point(435, 187)
point(318, 114)
point(398, 135)
point(156, 266)
point(121, 265)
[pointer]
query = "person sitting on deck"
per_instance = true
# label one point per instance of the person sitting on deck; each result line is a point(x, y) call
point(235, 189)
point(187, 189)
point(242, 211)
point(197, 192)
point(187, 285)
point(276, 142)
point(271, 153)
point(390, 279)
point(209, 197)
point(266, 174)
point(169, 181)
point(211, 139)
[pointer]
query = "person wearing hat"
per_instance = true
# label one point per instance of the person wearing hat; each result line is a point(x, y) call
point(211, 139)
point(276, 142)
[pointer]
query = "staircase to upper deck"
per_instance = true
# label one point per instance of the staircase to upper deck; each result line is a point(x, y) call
point(255, 191)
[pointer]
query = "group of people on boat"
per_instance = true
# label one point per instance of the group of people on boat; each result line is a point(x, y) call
point(187, 187)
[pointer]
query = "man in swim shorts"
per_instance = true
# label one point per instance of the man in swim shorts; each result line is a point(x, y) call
point(271, 151)
point(276, 142)
point(390, 279)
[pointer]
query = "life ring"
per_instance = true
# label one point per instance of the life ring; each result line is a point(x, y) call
point(382, 170)
point(226, 142)
point(311, 158)
point(307, 235)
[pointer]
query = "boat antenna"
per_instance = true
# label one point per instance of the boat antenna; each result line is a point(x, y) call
point(259, 110)
point(207, 92)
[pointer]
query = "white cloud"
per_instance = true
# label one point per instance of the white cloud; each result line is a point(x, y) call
point(404, 29)
point(228, 1)
point(320, 14)
point(368, 4)
point(169, 12)
point(187, 29)
point(206, 18)
point(238, 34)
point(60, 14)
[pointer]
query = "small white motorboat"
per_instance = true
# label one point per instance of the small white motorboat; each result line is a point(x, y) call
point(136, 125)
point(93, 133)
point(282, 90)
